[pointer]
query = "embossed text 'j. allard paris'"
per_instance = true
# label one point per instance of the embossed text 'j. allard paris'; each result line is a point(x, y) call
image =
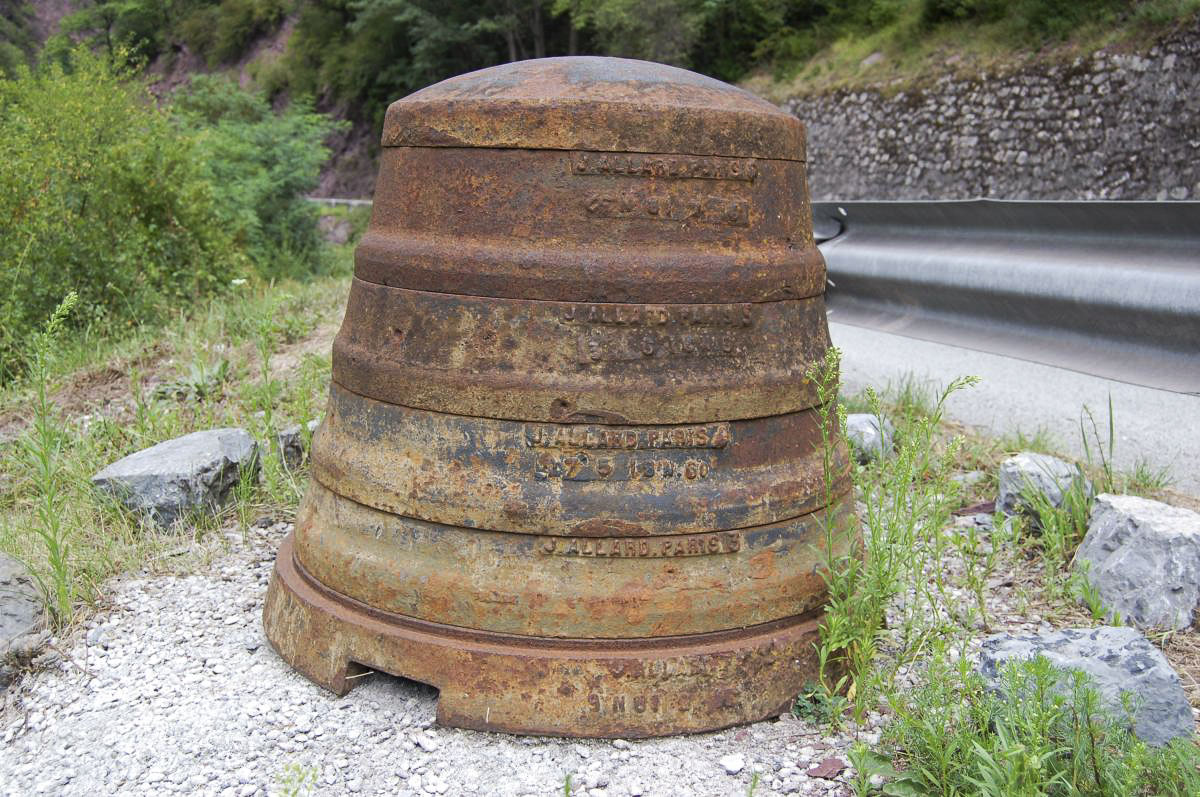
point(623, 333)
point(664, 166)
point(626, 438)
point(675, 545)
point(637, 202)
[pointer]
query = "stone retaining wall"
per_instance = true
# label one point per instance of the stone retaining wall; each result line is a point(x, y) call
point(1111, 126)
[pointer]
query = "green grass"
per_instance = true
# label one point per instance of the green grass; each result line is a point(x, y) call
point(241, 360)
point(297, 780)
point(921, 592)
point(906, 500)
point(1043, 732)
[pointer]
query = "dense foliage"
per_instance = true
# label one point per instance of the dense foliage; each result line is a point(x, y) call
point(260, 164)
point(142, 208)
point(220, 31)
point(99, 192)
point(17, 43)
point(354, 56)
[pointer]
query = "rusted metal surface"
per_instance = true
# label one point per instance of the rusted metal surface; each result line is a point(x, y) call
point(571, 472)
point(570, 479)
point(601, 104)
point(573, 687)
point(591, 227)
point(580, 361)
point(553, 585)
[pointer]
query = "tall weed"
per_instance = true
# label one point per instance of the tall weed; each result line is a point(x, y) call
point(41, 448)
point(1042, 732)
point(1100, 455)
point(906, 500)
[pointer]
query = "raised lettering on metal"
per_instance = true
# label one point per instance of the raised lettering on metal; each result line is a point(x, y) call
point(654, 206)
point(678, 167)
point(626, 438)
point(661, 315)
point(625, 547)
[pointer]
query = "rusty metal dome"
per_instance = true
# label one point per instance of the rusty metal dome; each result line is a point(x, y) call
point(571, 470)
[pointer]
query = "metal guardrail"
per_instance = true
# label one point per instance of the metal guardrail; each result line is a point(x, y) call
point(1105, 288)
point(332, 200)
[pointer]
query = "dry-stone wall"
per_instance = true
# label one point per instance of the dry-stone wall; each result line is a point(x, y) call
point(1112, 126)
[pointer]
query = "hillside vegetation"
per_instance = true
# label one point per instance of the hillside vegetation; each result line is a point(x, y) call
point(144, 208)
point(354, 56)
point(350, 58)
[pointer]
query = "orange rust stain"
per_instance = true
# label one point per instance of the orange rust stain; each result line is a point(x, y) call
point(763, 565)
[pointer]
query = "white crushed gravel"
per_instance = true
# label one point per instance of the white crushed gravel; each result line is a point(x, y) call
point(175, 690)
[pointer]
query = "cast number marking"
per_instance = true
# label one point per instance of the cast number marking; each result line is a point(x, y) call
point(582, 466)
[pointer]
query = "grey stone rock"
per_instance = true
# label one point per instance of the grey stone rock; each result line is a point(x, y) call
point(293, 443)
point(1117, 660)
point(866, 438)
point(1143, 559)
point(191, 472)
point(969, 479)
point(22, 617)
point(1028, 472)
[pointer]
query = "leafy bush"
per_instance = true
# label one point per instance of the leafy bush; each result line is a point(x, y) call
point(1045, 735)
point(1026, 21)
point(16, 39)
point(129, 26)
point(219, 30)
point(239, 22)
point(260, 164)
point(101, 193)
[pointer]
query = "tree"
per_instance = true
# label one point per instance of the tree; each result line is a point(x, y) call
point(653, 30)
point(135, 26)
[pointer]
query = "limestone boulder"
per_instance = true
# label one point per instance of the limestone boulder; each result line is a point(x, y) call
point(193, 472)
point(1143, 559)
point(1116, 660)
point(1029, 473)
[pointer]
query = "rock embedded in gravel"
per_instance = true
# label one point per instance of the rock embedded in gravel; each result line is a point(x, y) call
point(1143, 559)
point(1117, 660)
point(866, 438)
point(733, 763)
point(1042, 474)
point(196, 471)
point(22, 617)
point(293, 443)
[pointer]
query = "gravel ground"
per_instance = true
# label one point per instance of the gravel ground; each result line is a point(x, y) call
point(174, 689)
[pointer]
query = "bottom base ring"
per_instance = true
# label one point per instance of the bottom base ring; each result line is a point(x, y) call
point(533, 685)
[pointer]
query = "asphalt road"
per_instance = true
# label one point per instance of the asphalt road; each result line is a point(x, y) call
point(1158, 426)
